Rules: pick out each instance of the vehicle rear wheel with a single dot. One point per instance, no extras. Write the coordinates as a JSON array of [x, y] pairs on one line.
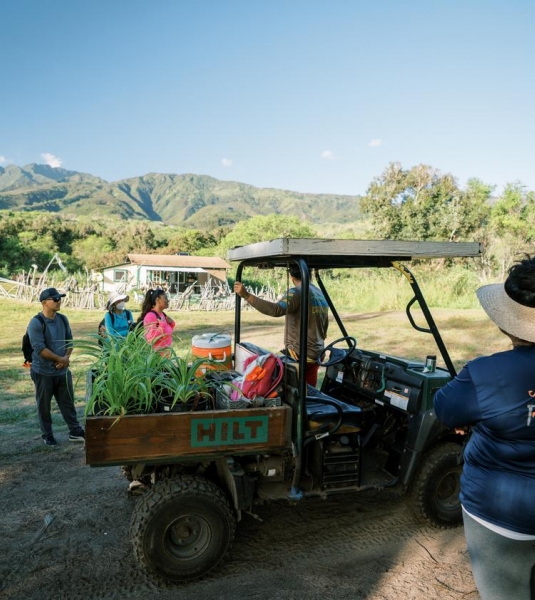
[[182, 528], [434, 491]]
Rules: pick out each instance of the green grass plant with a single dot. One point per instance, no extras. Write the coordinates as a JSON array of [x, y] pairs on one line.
[[15, 415], [130, 377], [189, 381], [387, 289]]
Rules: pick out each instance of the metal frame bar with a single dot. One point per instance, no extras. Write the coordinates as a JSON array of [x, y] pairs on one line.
[[432, 328]]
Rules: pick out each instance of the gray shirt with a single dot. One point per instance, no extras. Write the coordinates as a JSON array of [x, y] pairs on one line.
[[290, 305], [56, 338]]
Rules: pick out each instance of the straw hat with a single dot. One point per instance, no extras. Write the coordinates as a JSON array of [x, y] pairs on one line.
[[510, 316], [116, 297]]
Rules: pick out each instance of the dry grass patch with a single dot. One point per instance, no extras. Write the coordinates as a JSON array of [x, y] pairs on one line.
[[466, 333]]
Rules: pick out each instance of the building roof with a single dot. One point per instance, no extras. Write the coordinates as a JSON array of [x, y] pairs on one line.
[[176, 260]]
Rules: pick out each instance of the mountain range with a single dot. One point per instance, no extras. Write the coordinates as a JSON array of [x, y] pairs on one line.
[[187, 200]]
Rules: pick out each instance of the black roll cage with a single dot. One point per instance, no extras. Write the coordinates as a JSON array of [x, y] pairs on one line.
[[320, 254], [295, 493]]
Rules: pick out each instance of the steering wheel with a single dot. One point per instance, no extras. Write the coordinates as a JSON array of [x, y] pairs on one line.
[[337, 355]]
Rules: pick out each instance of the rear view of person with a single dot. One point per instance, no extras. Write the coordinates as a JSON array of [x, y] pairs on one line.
[[495, 396], [50, 336]]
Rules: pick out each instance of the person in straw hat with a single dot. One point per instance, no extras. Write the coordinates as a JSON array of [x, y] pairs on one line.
[[495, 396], [118, 320]]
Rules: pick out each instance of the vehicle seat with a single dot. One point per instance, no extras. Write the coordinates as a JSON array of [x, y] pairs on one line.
[[320, 413]]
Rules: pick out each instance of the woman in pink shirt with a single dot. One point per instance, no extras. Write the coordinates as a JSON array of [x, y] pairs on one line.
[[158, 326]]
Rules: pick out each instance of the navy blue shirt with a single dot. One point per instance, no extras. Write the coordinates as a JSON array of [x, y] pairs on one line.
[[496, 396]]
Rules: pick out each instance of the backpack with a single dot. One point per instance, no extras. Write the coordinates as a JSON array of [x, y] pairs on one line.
[[102, 325], [260, 378], [139, 323], [27, 349]]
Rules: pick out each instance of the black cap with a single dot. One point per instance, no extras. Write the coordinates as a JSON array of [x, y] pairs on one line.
[[50, 293]]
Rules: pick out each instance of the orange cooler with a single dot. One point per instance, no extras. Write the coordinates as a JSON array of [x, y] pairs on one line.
[[214, 347]]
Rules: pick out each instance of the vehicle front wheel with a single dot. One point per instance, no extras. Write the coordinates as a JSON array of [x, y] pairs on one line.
[[182, 528], [434, 491]]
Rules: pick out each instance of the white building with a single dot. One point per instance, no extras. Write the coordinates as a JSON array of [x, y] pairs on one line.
[[173, 273]]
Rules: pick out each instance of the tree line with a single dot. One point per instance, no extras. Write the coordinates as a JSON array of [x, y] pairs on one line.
[[33, 238], [419, 203]]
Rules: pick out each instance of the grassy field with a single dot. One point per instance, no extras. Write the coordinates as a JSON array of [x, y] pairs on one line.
[[467, 333]]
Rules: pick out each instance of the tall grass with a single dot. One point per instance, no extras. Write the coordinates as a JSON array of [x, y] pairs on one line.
[[388, 289], [385, 289]]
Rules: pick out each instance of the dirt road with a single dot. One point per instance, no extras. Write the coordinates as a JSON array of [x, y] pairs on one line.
[[64, 534]]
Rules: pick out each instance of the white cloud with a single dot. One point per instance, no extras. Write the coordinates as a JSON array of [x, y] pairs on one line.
[[226, 162], [375, 143], [51, 160], [3, 159], [328, 155]]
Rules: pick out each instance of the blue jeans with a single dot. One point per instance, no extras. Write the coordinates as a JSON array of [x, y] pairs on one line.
[[60, 388], [503, 568]]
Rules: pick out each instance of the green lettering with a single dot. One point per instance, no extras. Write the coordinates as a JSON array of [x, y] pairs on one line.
[[226, 431]]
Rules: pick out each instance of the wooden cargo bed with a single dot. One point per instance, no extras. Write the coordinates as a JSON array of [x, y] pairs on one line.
[[172, 437]]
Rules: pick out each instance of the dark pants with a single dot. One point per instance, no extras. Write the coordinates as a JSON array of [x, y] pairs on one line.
[[59, 387], [503, 568]]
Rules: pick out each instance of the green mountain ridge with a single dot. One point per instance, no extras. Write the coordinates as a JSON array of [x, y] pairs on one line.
[[189, 200]]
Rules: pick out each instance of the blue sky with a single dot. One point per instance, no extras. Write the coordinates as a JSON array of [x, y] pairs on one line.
[[311, 96]]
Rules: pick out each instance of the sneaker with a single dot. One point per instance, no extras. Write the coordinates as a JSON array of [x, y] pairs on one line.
[[137, 488], [50, 440], [78, 435]]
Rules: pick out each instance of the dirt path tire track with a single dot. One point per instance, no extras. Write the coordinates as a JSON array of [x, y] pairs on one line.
[[361, 546]]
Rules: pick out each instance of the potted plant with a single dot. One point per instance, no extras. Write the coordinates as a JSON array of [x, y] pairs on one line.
[[128, 377], [190, 385]]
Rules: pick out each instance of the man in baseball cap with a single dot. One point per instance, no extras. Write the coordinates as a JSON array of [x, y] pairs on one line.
[[51, 339], [50, 293]]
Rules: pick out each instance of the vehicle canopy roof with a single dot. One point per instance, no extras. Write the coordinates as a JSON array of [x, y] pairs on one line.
[[328, 254]]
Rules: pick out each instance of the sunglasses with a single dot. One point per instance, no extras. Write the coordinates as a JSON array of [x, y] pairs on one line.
[[56, 299]]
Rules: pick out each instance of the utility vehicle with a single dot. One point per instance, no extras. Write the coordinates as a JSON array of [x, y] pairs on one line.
[[370, 425]]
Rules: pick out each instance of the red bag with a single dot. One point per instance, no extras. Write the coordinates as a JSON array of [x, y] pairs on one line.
[[261, 377]]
